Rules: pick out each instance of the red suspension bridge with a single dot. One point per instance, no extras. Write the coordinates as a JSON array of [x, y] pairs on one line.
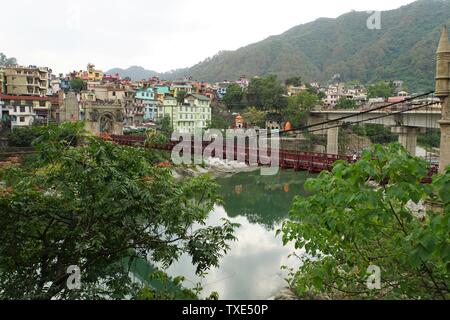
[[289, 159]]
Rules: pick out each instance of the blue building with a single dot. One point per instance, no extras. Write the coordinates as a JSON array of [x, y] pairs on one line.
[[146, 96]]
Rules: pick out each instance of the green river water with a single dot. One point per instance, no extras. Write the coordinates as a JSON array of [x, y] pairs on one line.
[[251, 269]]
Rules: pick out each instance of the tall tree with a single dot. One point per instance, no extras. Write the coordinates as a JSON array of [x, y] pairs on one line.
[[381, 90], [299, 106], [294, 81], [96, 205], [77, 84], [255, 117], [5, 61], [267, 93], [345, 103], [233, 98]]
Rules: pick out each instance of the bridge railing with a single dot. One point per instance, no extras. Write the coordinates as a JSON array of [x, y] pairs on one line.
[[298, 160]]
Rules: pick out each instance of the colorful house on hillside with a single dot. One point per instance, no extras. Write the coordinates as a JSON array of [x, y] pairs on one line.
[[147, 97], [161, 92], [193, 114], [91, 74], [177, 88], [169, 108]]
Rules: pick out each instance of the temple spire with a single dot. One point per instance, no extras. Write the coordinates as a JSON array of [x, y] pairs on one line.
[[444, 44]]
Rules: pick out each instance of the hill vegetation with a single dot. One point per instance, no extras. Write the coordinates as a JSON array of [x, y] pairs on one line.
[[404, 48]]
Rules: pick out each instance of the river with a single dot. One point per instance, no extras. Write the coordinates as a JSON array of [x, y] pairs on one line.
[[252, 268]]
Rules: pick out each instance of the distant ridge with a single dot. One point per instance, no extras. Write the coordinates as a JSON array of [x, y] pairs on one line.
[[134, 72]]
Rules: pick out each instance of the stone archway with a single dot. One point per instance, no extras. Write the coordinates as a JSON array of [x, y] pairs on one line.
[[104, 117], [107, 123]]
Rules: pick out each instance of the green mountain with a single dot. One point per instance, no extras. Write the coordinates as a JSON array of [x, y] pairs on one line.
[[403, 49], [134, 73]]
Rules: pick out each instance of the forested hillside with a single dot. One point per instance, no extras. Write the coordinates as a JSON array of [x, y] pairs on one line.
[[404, 48]]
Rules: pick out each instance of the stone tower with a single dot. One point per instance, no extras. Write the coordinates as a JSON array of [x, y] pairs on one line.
[[443, 92]]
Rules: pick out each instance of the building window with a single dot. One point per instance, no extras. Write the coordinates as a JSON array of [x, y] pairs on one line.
[[22, 110], [22, 119]]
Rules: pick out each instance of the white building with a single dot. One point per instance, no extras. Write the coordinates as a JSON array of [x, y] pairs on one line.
[[21, 116], [193, 114]]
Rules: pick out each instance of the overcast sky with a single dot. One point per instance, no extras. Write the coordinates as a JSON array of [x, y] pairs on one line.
[[158, 35]]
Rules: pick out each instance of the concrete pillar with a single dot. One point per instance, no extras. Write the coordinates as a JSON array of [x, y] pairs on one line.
[[407, 137], [333, 140]]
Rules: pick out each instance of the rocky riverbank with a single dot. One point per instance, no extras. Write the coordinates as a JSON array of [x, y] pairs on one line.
[[214, 167]]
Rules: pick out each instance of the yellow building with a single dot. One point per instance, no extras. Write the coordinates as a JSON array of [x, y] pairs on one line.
[[293, 90], [91, 74], [28, 81], [176, 89]]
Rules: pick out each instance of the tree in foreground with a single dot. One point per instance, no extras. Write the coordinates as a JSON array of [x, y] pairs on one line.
[[370, 214], [90, 203]]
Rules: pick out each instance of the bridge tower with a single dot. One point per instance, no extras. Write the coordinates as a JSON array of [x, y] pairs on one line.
[[443, 92]]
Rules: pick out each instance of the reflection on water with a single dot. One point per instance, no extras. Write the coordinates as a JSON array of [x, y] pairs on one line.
[[251, 269], [264, 200]]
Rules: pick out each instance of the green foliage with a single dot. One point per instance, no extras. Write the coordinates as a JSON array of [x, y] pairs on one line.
[[22, 136], [294, 81], [156, 139], [345, 103], [28, 136], [381, 90], [377, 133], [313, 90], [219, 121], [171, 289], [5, 61], [430, 139], [360, 215], [255, 117], [298, 107], [77, 84], [94, 205], [166, 126], [266, 93], [234, 96], [181, 95]]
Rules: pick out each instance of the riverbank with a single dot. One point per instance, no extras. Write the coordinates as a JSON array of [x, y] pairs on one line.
[[216, 168]]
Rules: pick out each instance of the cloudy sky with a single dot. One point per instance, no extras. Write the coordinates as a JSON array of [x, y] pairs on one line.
[[158, 35]]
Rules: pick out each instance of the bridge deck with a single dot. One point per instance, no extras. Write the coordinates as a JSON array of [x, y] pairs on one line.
[[298, 160]]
